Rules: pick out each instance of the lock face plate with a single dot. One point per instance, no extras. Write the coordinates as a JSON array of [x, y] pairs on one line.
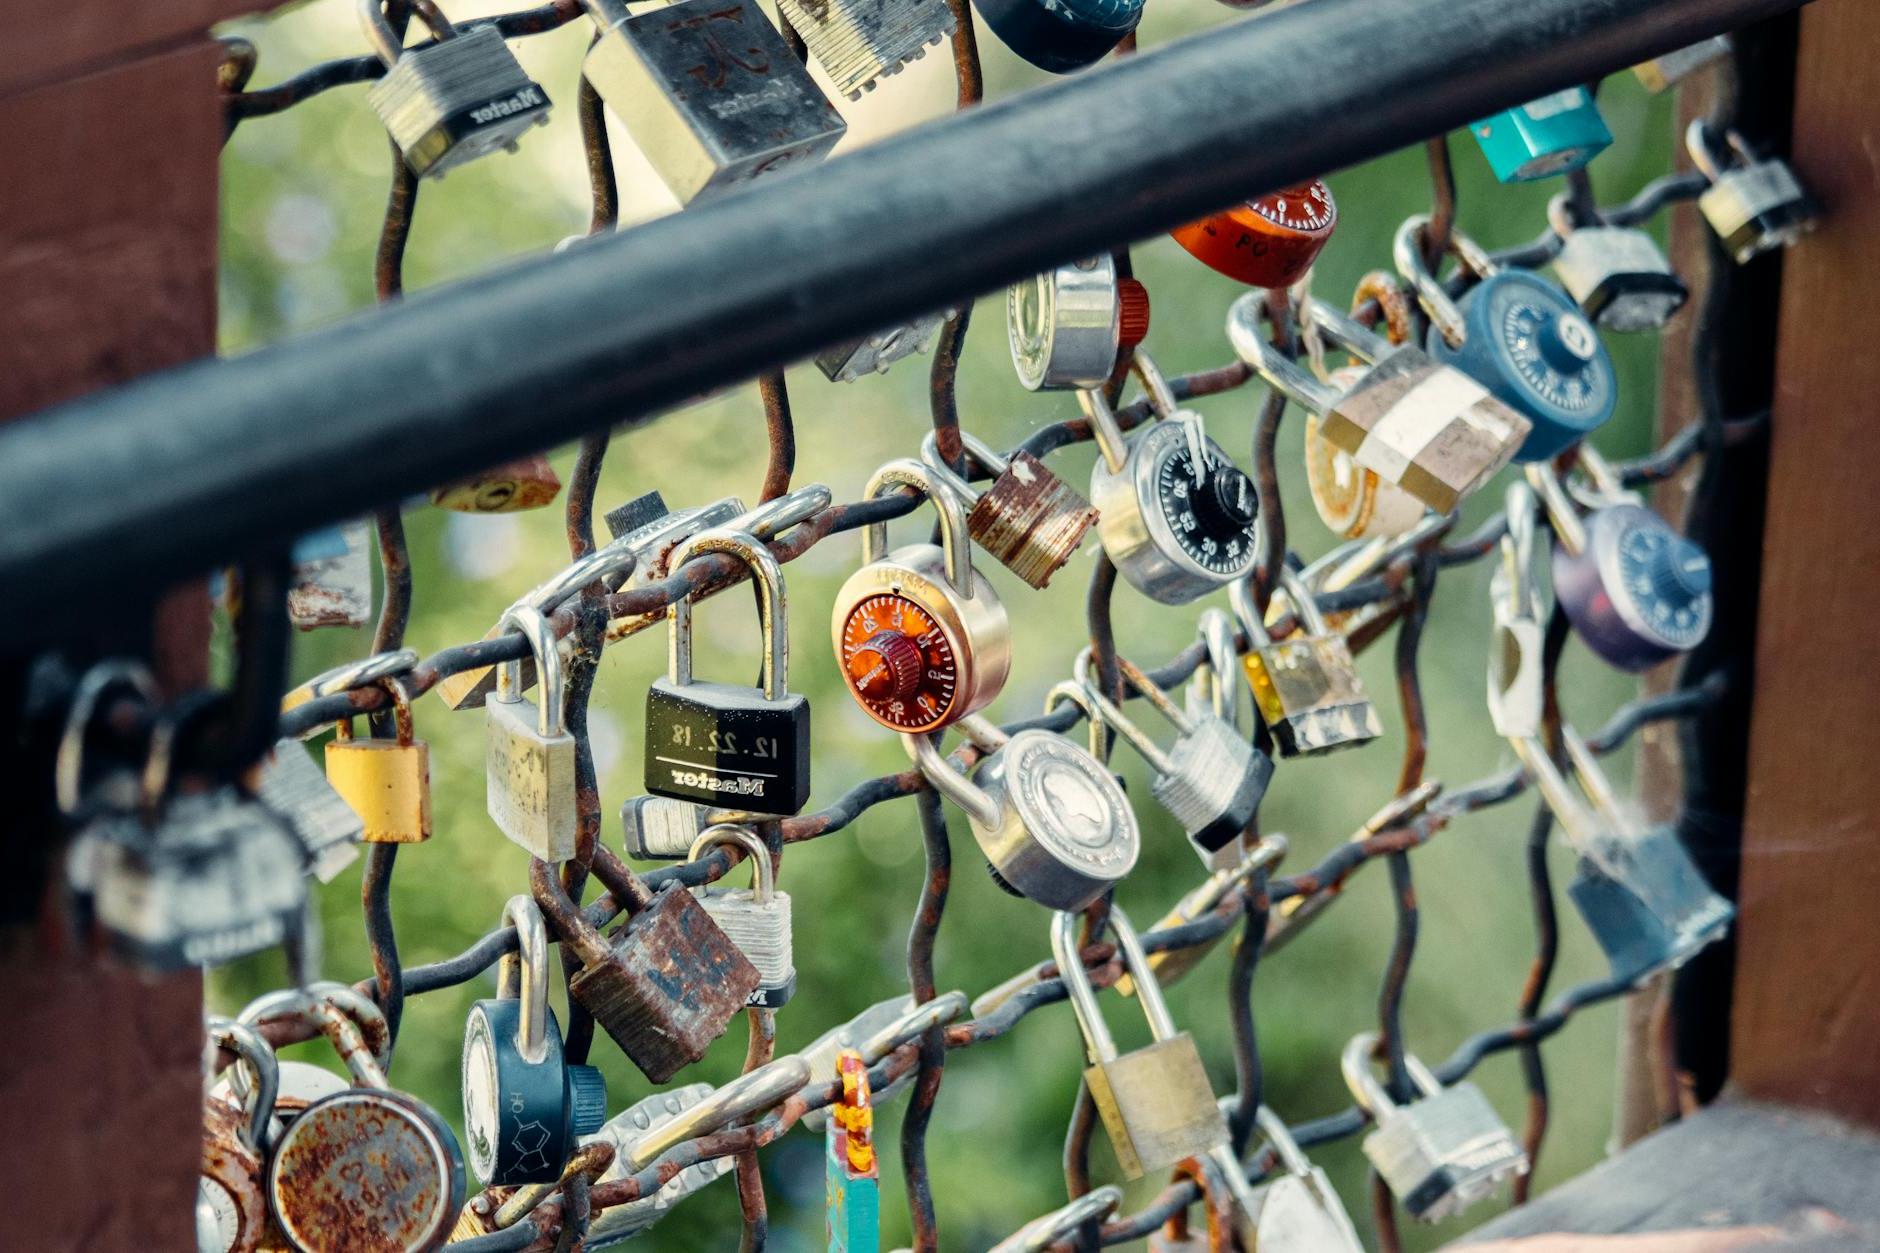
[[722, 745], [531, 784], [367, 1169], [1157, 1105]]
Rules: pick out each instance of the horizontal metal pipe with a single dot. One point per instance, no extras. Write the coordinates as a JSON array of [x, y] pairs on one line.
[[166, 477]]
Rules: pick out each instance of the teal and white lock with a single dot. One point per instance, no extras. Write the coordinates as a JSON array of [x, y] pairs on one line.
[[1520, 336], [1543, 137]]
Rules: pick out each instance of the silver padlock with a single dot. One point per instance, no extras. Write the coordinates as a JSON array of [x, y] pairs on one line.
[[1299, 1211], [529, 757], [1068, 327], [858, 42], [756, 919], [106, 810], [452, 101], [288, 782], [619, 1223], [660, 827], [1306, 688], [875, 352], [1662, 73], [1441, 1153], [1051, 819], [333, 586], [1029, 520], [1045, 1231], [1618, 273], [1754, 205], [711, 94], [874, 1033]]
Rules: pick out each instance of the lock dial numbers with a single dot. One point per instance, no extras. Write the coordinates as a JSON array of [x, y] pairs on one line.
[[899, 664], [1556, 353], [1211, 519]]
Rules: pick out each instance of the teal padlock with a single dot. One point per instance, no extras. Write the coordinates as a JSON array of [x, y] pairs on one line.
[[853, 1195], [1543, 137]]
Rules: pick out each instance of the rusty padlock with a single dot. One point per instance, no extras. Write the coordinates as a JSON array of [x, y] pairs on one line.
[[525, 483], [232, 1199]]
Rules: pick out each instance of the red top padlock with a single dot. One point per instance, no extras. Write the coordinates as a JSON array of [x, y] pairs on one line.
[[1270, 241]]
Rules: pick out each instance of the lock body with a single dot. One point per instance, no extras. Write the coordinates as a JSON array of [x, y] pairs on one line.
[[1652, 911], [387, 784], [1062, 36], [619, 1223], [1066, 833], [1543, 137], [367, 1168], [723, 745], [1620, 278], [851, 1172], [1307, 692], [1030, 520], [874, 353], [332, 585], [1443, 1153], [326, 824], [1178, 523], [755, 919], [456, 100], [1156, 1105], [1270, 241], [231, 1183], [1067, 327], [530, 792], [858, 42], [1303, 1212], [1216, 783], [660, 827], [512, 487], [1757, 208], [1638, 592], [1662, 73]]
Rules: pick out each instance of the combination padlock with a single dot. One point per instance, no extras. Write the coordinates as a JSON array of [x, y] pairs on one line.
[[1030, 521], [1519, 336], [1754, 205], [329, 830], [512, 487], [659, 827], [1544, 137], [1269, 241], [875, 352], [529, 755], [1662, 73], [524, 1107], [858, 42], [919, 633], [1171, 965], [874, 1033], [718, 743], [1307, 687], [1299, 1210], [235, 1143], [452, 101], [1175, 514], [1424, 426], [1618, 273], [756, 919], [1155, 1102], [711, 94], [331, 585], [1068, 327], [1050, 818], [1211, 779], [619, 1223], [1442, 1152], [386, 782], [1047, 1230], [851, 1173], [1060, 37]]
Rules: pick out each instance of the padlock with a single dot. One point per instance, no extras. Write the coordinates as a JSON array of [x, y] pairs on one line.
[[711, 94], [1059, 37], [1030, 521], [875, 352], [1047, 1230], [524, 1107], [1171, 965], [1516, 684], [1661, 73], [1354, 502], [1521, 337], [1269, 241], [1068, 327], [331, 586], [367, 1168], [512, 487], [717, 742], [756, 919], [1211, 779], [1543, 137], [1175, 514], [1442, 1152], [1307, 687], [105, 810], [529, 756], [751, 1094], [1618, 273], [235, 1143], [874, 1033], [1050, 818], [329, 830], [1636, 591], [452, 101], [851, 1173], [1426, 427], [1155, 1102], [1299, 1210], [387, 782], [618, 1223], [660, 827], [1754, 205], [919, 633], [858, 42]]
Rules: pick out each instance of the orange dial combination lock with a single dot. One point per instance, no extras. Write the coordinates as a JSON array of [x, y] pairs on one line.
[[1270, 241]]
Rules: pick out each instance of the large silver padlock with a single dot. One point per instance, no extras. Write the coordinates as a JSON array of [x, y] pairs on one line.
[[619, 1223], [860, 41], [1619, 274], [1754, 205], [530, 757], [1029, 520], [1068, 327], [1306, 688], [1442, 1152], [288, 782], [875, 352], [332, 586], [874, 1033], [756, 919], [711, 94], [1299, 1211], [452, 101]]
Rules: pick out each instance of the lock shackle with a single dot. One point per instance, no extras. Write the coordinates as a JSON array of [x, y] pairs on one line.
[[1125, 726], [384, 39], [1210, 685], [523, 975], [947, 781], [754, 1092], [1604, 486], [362, 673], [1111, 442], [1077, 694], [1514, 578], [1097, 1038], [264, 1089], [1046, 1230], [1361, 1078], [773, 608], [400, 693], [534, 628], [1345, 331], [1255, 350], [1407, 254], [767, 519], [763, 874], [954, 543], [1384, 287], [1563, 515], [1274, 1130], [910, 1026], [1701, 144], [1562, 217], [68, 771], [351, 1022], [617, 557], [944, 474], [1299, 597]]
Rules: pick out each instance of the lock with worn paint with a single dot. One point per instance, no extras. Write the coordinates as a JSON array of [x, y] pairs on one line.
[[1352, 501], [1155, 1101], [852, 1176], [529, 755], [1755, 205], [387, 782], [659, 827], [331, 582], [1619, 274], [875, 352], [619, 1223], [1171, 965], [1069, 327], [1662, 73], [1062, 35], [711, 94], [524, 1106], [1543, 137], [449, 102], [1299, 1212], [1270, 241], [757, 918], [1029, 520], [1307, 687], [724, 743], [1175, 513], [525, 483], [235, 1143], [1440, 1153], [1521, 337], [858, 42], [874, 1033], [920, 634], [328, 828], [1047, 1230]]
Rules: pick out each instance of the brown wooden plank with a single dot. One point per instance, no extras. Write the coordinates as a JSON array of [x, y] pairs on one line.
[[49, 42]]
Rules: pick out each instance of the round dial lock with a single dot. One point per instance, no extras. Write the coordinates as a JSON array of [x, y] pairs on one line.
[[367, 1169], [1639, 592], [1060, 36], [1211, 514], [1067, 326], [1069, 832], [899, 663], [1270, 241]]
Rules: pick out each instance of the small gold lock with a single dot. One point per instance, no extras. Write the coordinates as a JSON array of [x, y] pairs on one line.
[[387, 782]]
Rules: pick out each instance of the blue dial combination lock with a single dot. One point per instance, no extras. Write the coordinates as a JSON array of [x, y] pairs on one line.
[[1521, 337], [1060, 35], [1543, 137], [523, 1106]]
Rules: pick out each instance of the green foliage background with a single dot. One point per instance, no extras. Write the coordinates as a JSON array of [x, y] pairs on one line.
[[303, 197]]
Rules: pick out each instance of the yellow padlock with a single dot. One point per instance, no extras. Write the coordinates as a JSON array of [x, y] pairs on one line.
[[387, 782]]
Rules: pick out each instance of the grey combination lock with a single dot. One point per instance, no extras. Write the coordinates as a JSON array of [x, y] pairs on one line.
[[1618, 274], [1754, 205], [452, 101], [859, 41], [756, 919], [875, 352]]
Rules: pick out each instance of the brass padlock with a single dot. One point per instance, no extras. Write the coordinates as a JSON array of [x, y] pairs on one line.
[[1030, 520], [387, 782], [525, 483], [231, 1193], [529, 760], [1306, 688]]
